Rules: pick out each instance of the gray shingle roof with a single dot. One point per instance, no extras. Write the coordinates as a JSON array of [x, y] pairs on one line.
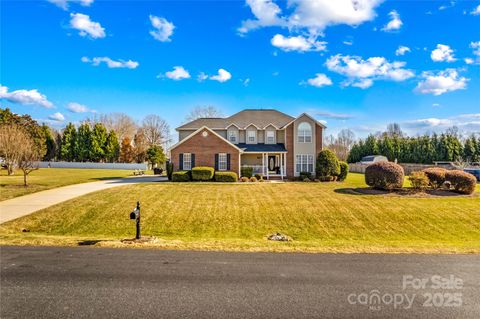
[[271, 148], [242, 119]]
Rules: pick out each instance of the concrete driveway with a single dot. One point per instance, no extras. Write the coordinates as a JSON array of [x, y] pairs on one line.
[[20, 206]]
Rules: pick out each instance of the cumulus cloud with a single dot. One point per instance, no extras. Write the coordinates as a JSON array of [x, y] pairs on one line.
[[57, 117], [476, 48], [476, 11], [178, 73], [85, 26], [402, 50], [441, 82], [361, 73], [202, 76], [319, 80], [298, 43], [77, 108], [467, 123], [443, 53], [25, 97], [395, 22], [163, 29], [313, 15], [112, 64], [64, 4], [222, 76], [469, 60]]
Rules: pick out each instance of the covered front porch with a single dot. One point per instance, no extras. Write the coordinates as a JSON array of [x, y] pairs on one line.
[[270, 165]]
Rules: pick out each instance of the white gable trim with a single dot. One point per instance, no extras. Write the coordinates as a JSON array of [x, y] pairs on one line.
[[271, 124], [305, 114], [210, 130], [251, 124], [233, 125]]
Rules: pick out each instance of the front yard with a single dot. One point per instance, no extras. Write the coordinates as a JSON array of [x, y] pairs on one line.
[[319, 217]]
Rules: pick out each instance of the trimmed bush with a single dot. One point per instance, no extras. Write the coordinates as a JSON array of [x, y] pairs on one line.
[[327, 164], [419, 180], [226, 177], [436, 176], [304, 175], [258, 176], [343, 171], [202, 173], [246, 172], [181, 176], [169, 171], [384, 175], [244, 179], [253, 179], [462, 182]]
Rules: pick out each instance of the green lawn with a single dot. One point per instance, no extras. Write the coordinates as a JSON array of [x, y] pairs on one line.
[[320, 217], [47, 178]]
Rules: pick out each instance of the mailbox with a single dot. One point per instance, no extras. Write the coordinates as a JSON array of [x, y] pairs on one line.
[[135, 214]]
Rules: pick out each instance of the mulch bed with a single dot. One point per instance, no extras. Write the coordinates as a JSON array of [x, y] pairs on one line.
[[406, 192]]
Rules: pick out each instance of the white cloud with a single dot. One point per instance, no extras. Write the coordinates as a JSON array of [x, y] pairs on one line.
[[178, 73], [202, 76], [245, 82], [222, 76], [334, 116], [443, 53], [298, 43], [402, 50], [312, 15], [163, 29], [361, 73], [25, 97], [112, 64], [64, 4], [468, 60], [395, 22], [476, 47], [77, 108], [85, 26], [476, 11], [57, 117], [319, 80], [348, 42], [442, 82], [466, 123]]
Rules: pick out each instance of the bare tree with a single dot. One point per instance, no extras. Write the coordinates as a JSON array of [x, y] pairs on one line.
[[393, 129], [342, 144], [122, 124], [155, 129], [203, 112], [29, 160], [11, 139]]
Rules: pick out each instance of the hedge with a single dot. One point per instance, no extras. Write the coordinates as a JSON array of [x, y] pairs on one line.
[[436, 176], [419, 180], [181, 176], [246, 172], [169, 171], [343, 171], [226, 177], [461, 181], [327, 164], [384, 175], [202, 173]]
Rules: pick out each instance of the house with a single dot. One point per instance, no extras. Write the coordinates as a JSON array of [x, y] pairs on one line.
[[273, 143]]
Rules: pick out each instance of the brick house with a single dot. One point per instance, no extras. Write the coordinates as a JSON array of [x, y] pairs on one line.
[[273, 143]]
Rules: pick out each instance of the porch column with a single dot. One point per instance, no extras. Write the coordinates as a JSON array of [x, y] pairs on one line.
[[267, 166], [285, 164], [263, 164], [281, 165], [239, 165]]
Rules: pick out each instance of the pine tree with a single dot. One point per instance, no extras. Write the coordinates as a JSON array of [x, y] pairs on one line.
[[112, 148], [83, 143], [98, 142], [67, 149]]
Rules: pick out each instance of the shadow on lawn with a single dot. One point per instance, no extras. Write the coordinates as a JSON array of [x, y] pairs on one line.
[[399, 193]]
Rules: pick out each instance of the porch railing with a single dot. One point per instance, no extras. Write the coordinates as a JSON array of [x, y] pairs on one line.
[[257, 169]]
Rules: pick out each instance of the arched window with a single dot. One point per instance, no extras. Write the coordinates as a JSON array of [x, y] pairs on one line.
[[304, 132]]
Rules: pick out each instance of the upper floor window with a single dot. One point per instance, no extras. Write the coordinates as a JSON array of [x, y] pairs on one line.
[[222, 162], [251, 136], [187, 161], [270, 137], [232, 136], [304, 133]]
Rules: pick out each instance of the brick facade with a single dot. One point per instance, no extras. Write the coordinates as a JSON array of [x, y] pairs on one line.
[[318, 139], [289, 146], [205, 148]]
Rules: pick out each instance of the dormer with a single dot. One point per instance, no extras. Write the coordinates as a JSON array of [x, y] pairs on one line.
[[270, 134], [233, 135], [252, 134]]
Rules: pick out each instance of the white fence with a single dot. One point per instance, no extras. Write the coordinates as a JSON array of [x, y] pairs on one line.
[[407, 167], [131, 166]]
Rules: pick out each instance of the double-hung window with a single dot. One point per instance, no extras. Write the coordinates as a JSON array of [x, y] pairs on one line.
[[222, 162], [251, 136], [304, 163], [270, 137], [232, 136], [187, 161], [304, 133]]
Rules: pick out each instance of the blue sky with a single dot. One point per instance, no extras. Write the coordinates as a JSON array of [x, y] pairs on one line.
[[338, 60]]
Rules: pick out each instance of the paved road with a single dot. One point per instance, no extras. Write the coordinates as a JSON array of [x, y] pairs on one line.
[[24, 205], [92, 282]]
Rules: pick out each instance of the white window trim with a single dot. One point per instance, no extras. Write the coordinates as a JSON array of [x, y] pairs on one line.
[[187, 164], [233, 134], [254, 137], [306, 160], [274, 137], [302, 134], [222, 161]]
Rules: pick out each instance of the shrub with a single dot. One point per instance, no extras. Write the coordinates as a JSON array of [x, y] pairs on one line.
[[253, 179], [436, 176], [226, 177], [327, 164], [246, 171], [169, 171], [202, 173], [306, 179], [419, 180], [181, 176], [304, 175], [384, 175], [462, 182], [343, 171], [326, 178], [258, 176], [244, 179]]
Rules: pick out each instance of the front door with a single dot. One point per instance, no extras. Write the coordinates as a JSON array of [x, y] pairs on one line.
[[271, 163]]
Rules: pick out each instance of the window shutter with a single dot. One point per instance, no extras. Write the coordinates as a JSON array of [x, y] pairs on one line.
[[180, 165], [228, 162], [192, 160], [216, 162]]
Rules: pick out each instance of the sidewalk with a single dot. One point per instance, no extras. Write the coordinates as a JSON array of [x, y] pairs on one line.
[[24, 205]]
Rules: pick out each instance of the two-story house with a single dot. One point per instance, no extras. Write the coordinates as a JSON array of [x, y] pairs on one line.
[[271, 142]]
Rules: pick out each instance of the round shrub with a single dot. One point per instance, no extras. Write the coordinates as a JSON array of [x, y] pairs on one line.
[[258, 176], [253, 179], [462, 182], [419, 180], [226, 177], [436, 176], [304, 175], [181, 176], [343, 171], [246, 171], [327, 164], [384, 175], [244, 179], [202, 173]]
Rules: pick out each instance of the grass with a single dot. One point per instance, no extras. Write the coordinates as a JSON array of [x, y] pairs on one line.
[[320, 217], [47, 178]]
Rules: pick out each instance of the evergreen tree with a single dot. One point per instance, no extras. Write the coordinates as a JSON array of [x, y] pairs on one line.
[[50, 143], [83, 143], [155, 155], [112, 148], [98, 142], [67, 148]]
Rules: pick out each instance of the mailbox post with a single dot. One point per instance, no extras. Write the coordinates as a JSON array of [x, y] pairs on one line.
[[135, 214]]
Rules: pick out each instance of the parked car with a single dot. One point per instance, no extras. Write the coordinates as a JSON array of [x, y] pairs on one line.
[[474, 171], [370, 159]]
